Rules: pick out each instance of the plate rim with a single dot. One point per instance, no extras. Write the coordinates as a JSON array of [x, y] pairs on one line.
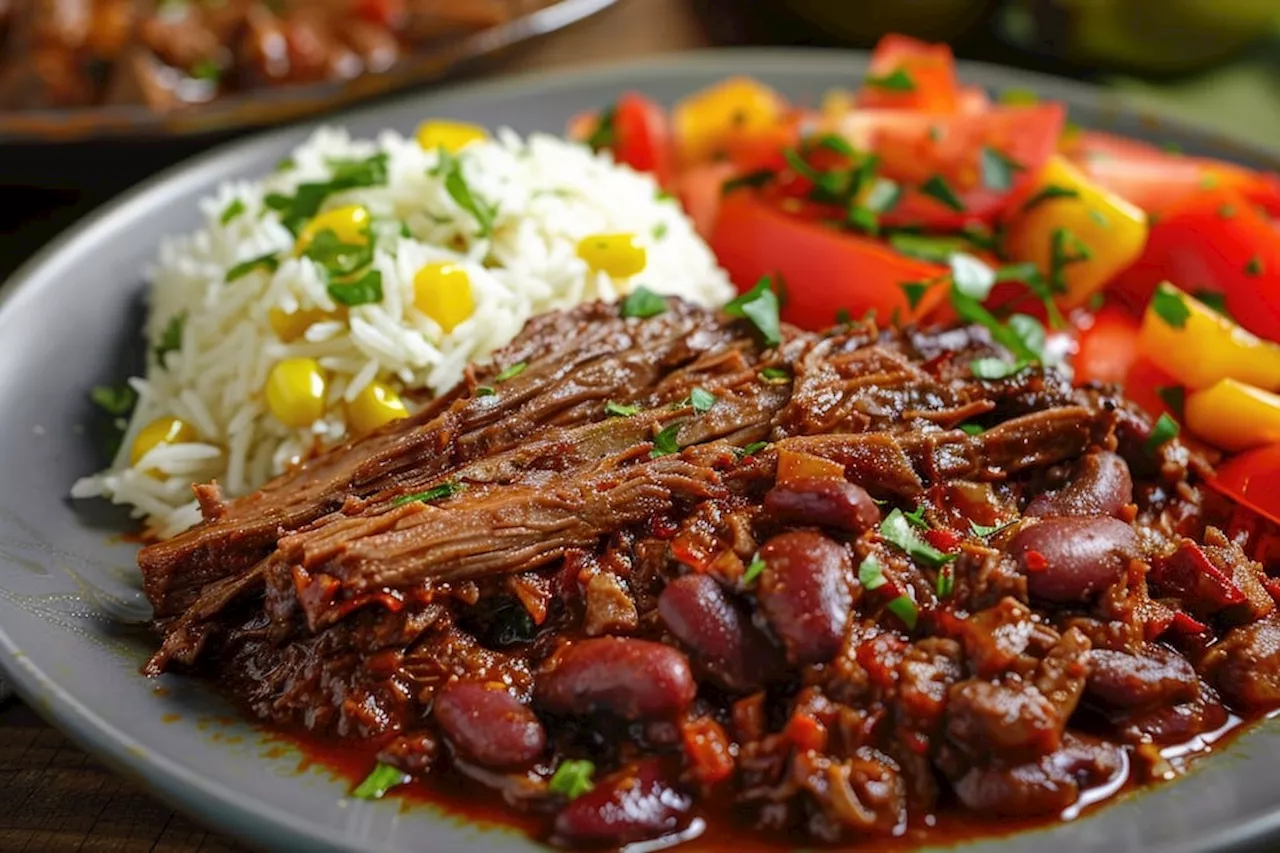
[[242, 816]]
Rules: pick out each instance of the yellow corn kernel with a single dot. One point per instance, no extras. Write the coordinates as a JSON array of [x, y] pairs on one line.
[[706, 121], [1202, 346], [295, 391], [619, 255], [1233, 415], [376, 405], [452, 136], [160, 431], [442, 291], [349, 223], [290, 327]]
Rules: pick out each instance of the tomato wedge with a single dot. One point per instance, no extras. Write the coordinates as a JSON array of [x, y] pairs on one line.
[[826, 273], [640, 137], [1250, 479], [914, 147], [1158, 180], [1213, 241], [1106, 347], [912, 75]]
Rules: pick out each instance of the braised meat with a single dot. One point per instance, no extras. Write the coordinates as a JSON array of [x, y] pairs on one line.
[[832, 587]]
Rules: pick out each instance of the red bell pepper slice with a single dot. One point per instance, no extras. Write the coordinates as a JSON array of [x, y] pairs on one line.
[[1252, 479]]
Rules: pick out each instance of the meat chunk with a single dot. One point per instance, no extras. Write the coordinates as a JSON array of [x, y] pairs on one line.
[[1245, 665]]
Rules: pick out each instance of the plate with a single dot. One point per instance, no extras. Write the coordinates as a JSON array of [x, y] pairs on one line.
[[68, 587], [280, 104]]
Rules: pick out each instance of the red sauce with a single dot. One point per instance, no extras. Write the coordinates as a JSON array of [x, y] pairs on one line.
[[477, 805]]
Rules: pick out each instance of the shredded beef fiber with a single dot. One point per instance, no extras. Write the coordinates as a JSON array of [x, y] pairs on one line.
[[829, 589]]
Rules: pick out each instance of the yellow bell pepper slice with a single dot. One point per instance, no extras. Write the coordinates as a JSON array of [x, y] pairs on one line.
[[705, 121], [1078, 233], [1233, 415], [1198, 346]]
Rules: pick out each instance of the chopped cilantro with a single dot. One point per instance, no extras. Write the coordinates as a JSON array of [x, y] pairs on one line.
[[171, 337], [883, 196], [983, 531], [752, 448], [936, 187], [1065, 249], [512, 371], [914, 291], [776, 375], [916, 517], [1173, 396], [1164, 431], [604, 134], [117, 400], [1024, 272], [485, 391], [572, 779], [837, 144], [267, 263], [1254, 268], [620, 410], [1214, 300], [365, 290], [760, 306], [336, 257], [659, 230], [972, 429], [995, 368], [383, 778], [923, 247], [298, 209], [1169, 306], [435, 493], [455, 183], [971, 276], [870, 574], [1048, 193], [753, 571], [758, 178], [905, 609], [896, 528], [946, 582], [642, 302], [998, 169], [897, 80], [701, 400], [665, 442], [231, 211]]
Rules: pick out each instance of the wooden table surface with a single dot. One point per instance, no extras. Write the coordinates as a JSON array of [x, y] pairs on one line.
[[56, 799]]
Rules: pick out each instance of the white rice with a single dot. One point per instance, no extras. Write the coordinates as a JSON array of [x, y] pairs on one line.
[[549, 195]]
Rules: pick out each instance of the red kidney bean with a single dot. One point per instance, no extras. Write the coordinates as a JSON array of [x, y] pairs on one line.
[[1157, 677], [488, 725], [634, 804], [1100, 485], [1070, 559], [830, 503], [735, 653], [804, 593], [635, 679]]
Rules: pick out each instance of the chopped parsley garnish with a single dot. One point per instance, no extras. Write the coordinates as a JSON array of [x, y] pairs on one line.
[[1019, 97], [1165, 430], [916, 517], [1254, 268], [905, 609], [336, 257], [383, 778], [512, 372], [938, 189], [171, 337], [642, 302], [972, 429], [231, 211], [760, 306], [365, 290], [665, 442], [936, 250], [998, 169], [435, 493], [883, 196], [897, 80], [983, 531], [752, 448], [758, 178], [1226, 210], [1213, 300], [946, 582], [116, 400], [1173, 396], [455, 183], [485, 391], [896, 528], [753, 571], [286, 165], [605, 133], [298, 209], [572, 779], [837, 144], [914, 291], [1021, 334], [776, 375], [620, 410], [1065, 249], [870, 574], [267, 263], [1049, 193], [702, 400], [995, 368], [659, 230], [1168, 305], [1025, 272]]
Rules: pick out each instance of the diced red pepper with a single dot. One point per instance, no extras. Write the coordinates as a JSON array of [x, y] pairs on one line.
[[1189, 574], [707, 746], [1185, 624], [1035, 561], [806, 732], [943, 538]]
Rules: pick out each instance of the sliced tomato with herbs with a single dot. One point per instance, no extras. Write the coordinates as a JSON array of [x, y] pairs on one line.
[[637, 131], [908, 74], [1213, 243], [1106, 346], [1250, 479], [826, 274], [699, 189], [958, 168], [1157, 180]]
